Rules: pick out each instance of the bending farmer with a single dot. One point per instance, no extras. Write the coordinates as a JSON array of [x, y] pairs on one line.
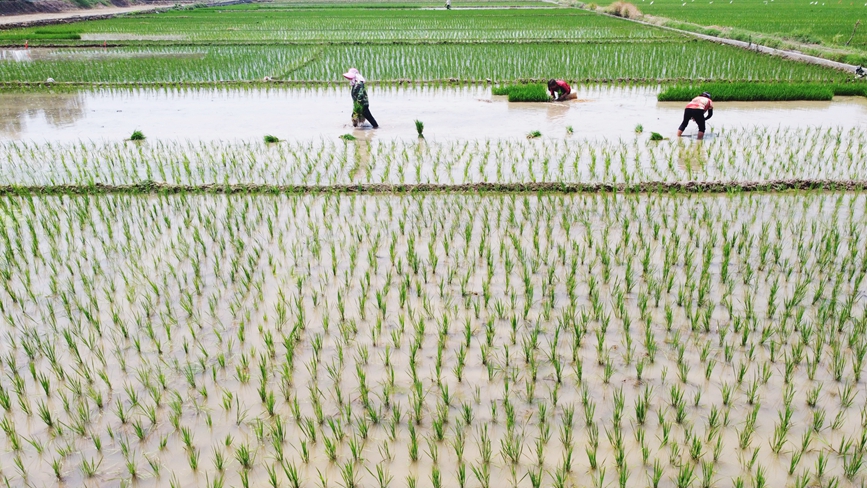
[[359, 94], [695, 111], [560, 90]]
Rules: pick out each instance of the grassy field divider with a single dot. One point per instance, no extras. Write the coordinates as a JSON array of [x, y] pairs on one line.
[[748, 92], [710, 187], [762, 92]]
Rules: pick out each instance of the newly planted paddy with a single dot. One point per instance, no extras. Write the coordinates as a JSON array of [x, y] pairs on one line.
[[744, 158], [248, 292], [434, 341]]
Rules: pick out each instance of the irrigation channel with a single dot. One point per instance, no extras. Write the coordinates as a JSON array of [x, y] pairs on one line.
[[448, 113]]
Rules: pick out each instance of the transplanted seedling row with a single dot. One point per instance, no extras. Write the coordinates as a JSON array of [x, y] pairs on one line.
[[287, 23], [666, 60], [434, 341], [745, 155]]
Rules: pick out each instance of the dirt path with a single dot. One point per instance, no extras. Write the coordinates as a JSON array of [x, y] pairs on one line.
[[60, 17]]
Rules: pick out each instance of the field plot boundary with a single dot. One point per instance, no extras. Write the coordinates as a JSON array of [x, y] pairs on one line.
[[751, 46], [710, 187], [82, 15]]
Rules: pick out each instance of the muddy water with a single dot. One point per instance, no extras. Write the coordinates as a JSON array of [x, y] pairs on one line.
[[447, 113]]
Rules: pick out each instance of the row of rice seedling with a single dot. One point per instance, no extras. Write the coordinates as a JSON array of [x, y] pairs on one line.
[[654, 61], [161, 64], [349, 25], [500, 62], [430, 341], [753, 92], [743, 155], [532, 92]]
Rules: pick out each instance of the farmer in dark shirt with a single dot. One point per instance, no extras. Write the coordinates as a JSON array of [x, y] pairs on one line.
[[359, 94]]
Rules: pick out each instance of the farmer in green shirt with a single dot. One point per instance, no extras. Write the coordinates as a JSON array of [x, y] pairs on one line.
[[359, 94]]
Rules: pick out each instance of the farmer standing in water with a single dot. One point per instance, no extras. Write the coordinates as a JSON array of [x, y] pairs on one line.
[[695, 111], [560, 90], [359, 94]]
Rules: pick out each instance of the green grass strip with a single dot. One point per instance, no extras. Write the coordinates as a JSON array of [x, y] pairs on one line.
[[693, 187], [532, 92], [850, 89], [748, 92], [762, 92]]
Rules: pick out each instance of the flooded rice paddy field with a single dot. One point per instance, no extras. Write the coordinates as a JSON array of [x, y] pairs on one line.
[[611, 112], [732, 156], [428, 341]]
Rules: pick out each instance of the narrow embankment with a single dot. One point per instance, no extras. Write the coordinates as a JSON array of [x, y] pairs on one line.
[[710, 187]]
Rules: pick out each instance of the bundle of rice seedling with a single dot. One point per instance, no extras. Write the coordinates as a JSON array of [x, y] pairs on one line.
[[532, 92], [749, 92]]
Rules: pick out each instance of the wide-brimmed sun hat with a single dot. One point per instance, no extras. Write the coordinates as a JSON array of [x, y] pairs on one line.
[[351, 74]]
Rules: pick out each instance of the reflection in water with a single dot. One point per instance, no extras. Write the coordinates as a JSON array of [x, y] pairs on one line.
[[17, 55], [362, 152], [97, 54], [692, 159], [58, 110], [557, 111]]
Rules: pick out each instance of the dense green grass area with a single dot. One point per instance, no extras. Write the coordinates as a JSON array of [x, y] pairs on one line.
[[767, 92], [749, 92], [356, 25], [251, 42], [827, 21], [684, 61]]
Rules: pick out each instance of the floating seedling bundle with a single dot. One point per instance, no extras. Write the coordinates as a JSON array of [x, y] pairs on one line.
[[530, 92]]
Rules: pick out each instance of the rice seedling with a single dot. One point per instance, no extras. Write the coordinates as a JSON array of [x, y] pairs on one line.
[[137, 136], [334, 331], [269, 139]]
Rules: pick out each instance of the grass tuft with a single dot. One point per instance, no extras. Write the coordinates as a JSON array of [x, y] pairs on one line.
[[269, 139], [623, 9], [137, 135]]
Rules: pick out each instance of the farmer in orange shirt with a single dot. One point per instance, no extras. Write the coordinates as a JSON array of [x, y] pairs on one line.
[[695, 111]]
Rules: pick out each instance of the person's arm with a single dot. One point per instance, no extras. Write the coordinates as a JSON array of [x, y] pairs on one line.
[[354, 92], [709, 114]]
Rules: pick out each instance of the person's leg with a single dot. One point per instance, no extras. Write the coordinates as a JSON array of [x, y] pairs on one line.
[[686, 117], [699, 119], [369, 116]]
